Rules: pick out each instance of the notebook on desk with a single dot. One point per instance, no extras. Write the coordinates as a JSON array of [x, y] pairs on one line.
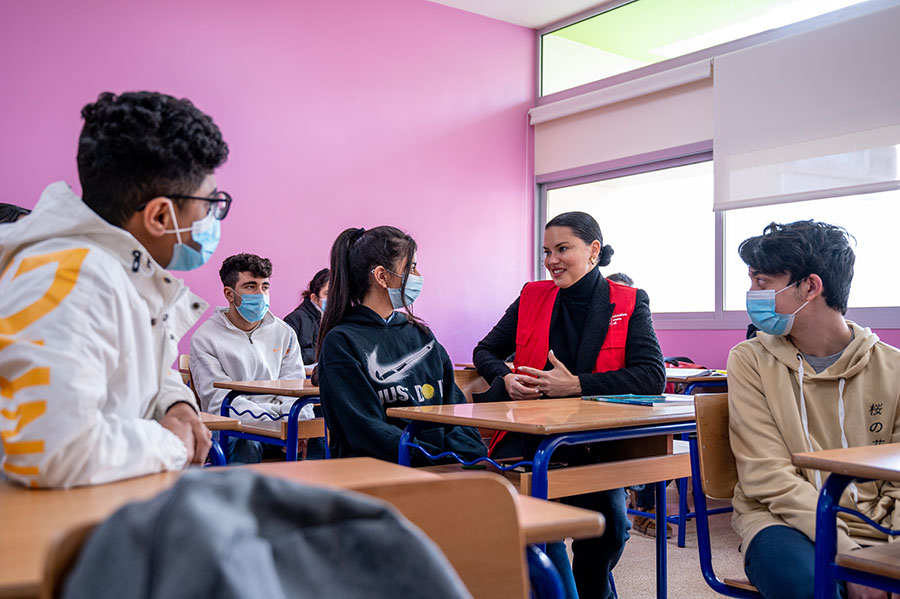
[[686, 373], [643, 400]]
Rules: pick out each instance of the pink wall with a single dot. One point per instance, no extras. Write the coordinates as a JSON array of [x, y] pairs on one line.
[[356, 113], [710, 348]]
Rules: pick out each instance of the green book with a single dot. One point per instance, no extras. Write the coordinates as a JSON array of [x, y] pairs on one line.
[[639, 400]]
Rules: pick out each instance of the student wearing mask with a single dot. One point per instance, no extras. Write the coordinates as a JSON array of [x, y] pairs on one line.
[[374, 354], [306, 318], [245, 342], [810, 380], [574, 335], [90, 314]]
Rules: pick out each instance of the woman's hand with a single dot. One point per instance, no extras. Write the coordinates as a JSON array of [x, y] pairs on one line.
[[558, 382], [517, 389]]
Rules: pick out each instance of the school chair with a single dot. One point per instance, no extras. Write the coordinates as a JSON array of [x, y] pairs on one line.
[[875, 566], [469, 382], [473, 519], [714, 475], [284, 431], [184, 368]]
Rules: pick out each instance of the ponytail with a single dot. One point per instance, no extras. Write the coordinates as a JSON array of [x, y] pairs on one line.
[[353, 256]]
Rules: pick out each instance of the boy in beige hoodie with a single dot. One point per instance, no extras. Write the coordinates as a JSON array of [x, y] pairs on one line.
[[810, 380]]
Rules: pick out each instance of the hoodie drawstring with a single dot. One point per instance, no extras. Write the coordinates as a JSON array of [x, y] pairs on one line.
[[805, 420]]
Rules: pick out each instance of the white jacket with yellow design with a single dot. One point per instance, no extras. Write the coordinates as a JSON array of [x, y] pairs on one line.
[[778, 405], [89, 329]]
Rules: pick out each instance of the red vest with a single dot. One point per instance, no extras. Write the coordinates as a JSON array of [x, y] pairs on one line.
[[533, 327], [533, 330]]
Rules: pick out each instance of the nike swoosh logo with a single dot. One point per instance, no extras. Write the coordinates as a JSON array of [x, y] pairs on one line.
[[386, 373]]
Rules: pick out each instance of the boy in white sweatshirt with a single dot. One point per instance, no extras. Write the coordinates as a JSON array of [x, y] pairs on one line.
[[810, 380], [90, 314], [245, 342]]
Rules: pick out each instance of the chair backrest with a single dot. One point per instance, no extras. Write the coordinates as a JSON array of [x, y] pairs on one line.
[[717, 465], [473, 519], [469, 382], [184, 368]]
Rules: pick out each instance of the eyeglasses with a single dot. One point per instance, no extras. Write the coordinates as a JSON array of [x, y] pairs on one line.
[[219, 201]]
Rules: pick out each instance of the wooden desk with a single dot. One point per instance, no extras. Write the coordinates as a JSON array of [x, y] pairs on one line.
[[283, 387], [278, 432], [878, 565], [30, 520], [692, 383], [214, 422], [575, 421]]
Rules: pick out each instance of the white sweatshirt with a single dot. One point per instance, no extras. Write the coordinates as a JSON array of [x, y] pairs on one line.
[[222, 352], [89, 329]]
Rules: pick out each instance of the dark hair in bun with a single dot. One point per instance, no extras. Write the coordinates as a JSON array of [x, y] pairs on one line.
[[585, 228]]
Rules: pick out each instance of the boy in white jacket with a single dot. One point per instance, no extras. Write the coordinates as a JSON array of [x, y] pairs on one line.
[[89, 316], [811, 380], [245, 342]]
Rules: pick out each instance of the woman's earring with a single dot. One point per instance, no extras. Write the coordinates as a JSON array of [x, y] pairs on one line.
[[593, 260]]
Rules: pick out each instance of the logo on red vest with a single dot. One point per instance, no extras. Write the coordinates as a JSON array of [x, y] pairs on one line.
[[618, 318]]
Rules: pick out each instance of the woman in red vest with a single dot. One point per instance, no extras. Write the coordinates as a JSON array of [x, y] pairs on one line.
[[577, 334]]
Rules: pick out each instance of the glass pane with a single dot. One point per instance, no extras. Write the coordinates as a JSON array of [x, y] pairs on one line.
[[871, 218], [662, 229], [645, 32]]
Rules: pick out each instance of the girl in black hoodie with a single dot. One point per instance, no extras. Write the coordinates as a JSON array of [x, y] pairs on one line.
[[372, 357]]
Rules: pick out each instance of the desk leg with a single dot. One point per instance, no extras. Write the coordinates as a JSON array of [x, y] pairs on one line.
[[404, 456], [661, 566], [826, 534]]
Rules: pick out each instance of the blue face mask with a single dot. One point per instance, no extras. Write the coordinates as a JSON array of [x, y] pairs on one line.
[[413, 289], [761, 308], [324, 302], [207, 232], [253, 306]]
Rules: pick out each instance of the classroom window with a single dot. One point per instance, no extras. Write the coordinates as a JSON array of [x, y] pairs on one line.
[[872, 219], [644, 32], [662, 229]]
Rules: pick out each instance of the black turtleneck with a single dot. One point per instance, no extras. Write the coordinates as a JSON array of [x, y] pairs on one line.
[[570, 311]]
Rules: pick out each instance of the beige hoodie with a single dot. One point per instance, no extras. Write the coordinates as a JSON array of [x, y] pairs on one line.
[[854, 402]]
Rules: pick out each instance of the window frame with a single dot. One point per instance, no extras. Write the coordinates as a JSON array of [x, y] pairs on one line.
[[671, 63], [719, 319]]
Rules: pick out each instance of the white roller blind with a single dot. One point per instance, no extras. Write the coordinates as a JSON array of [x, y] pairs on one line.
[[810, 116]]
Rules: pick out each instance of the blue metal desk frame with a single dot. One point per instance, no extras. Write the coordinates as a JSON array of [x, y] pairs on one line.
[[550, 443], [827, 571], [292, 428]]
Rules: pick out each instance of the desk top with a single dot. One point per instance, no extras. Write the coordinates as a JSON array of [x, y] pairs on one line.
[[878, 462], [284, 387], [32, 519], [547, 416], [214, 422]]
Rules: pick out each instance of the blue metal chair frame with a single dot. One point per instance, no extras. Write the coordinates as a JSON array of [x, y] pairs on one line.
[[290, 444], [216, 455], [702, 517], [683, 514], [541, 464], [827, 571], [544, 578]]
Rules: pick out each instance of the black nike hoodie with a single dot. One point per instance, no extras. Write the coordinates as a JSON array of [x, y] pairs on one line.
[[367, 366]]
